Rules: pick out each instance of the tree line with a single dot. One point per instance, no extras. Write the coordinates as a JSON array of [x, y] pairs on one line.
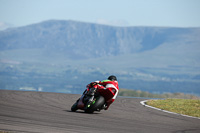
[[139, 93]]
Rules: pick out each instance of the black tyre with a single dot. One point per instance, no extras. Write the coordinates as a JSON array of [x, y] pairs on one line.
[[74, 107], [97, 104]]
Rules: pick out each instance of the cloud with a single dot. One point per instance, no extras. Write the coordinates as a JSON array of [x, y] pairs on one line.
[[4, 25], [112, 22]]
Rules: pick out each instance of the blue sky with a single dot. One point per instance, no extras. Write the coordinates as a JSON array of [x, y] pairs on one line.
[[173, 13]]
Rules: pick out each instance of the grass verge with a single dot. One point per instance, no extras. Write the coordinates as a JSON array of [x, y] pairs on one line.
[[189, 107]]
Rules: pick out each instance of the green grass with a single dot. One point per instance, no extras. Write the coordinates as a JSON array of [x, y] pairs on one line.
[[189, 107]]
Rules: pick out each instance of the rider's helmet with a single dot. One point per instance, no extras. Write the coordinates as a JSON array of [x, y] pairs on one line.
[[112, 78]]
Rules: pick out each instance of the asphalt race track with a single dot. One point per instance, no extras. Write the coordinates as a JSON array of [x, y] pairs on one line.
[[36, 112]]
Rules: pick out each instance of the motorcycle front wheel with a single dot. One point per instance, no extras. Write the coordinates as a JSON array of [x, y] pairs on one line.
[[95, 105]]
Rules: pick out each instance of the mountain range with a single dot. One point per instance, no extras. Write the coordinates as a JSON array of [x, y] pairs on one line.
[[155, 59]]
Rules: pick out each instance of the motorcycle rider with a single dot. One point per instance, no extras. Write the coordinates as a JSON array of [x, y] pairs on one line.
[[107, 88]]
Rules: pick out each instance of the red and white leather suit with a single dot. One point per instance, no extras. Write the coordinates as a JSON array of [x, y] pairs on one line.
[[109, 90]]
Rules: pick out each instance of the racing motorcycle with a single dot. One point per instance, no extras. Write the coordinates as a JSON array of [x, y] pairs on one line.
[[90, 101]]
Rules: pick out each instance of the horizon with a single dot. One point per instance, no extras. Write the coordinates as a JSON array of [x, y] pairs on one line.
[[11, 26], [107, 24], [128, 13]]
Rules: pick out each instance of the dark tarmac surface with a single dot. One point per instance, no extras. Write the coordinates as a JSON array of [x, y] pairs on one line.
[[40, 112]]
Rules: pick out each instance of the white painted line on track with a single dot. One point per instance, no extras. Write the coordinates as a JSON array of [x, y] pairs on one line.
[[144, 104]]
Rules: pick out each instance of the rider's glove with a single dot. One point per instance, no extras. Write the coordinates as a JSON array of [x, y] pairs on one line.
[[93, 84]]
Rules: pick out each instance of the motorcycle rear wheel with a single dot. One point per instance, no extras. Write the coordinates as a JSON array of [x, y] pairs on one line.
[[74, 107]]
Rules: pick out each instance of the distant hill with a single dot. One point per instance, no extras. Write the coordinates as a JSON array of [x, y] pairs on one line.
[[88, 40], [155, 59]]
